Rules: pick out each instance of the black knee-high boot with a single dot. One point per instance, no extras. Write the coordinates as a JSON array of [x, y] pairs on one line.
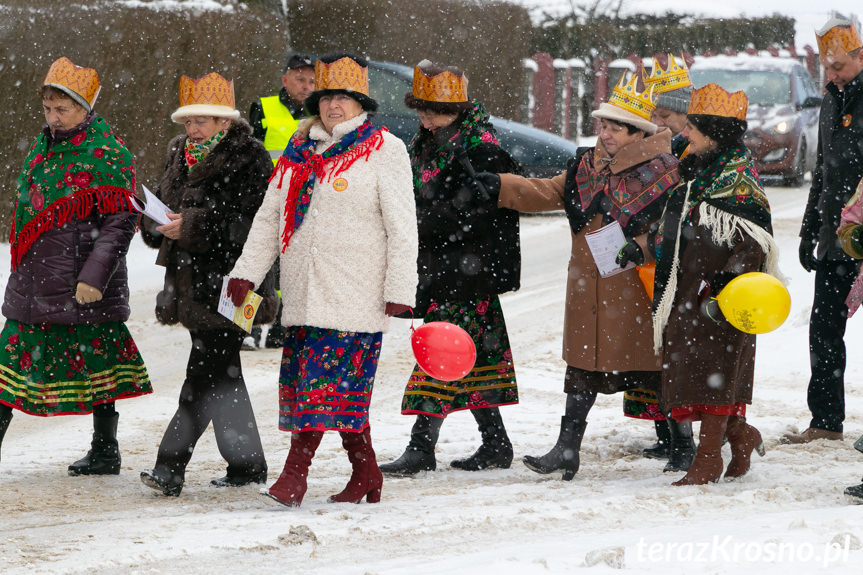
[[419, 454], [5, 418], [103, 458], [565, 453], [496, 449]]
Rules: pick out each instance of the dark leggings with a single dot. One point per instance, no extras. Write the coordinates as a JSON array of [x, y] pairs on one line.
[[215, 391], [578, 404]]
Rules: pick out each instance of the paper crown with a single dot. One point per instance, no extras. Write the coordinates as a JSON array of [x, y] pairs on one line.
[[443, 87], [211, 95], [673, 77], [837, 38], [343, 74], [82, 84], [712, 100], [626, 97]]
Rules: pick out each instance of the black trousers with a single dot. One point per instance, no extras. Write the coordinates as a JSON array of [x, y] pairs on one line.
[[215, 391], [826, 394]]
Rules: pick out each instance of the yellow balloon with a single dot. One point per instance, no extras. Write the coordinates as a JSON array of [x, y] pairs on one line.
[[755, 302]]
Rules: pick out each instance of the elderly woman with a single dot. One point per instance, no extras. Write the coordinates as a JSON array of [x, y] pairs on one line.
[[65, 347], [715, 228], [607, 343], [214, 181], [468, 254], [340, 216]]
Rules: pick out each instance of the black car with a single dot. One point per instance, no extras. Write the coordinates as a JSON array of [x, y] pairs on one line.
[[541, 154]]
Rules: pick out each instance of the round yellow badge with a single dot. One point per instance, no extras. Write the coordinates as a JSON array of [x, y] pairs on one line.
[[846, 120], [248, 312], [340, 184]]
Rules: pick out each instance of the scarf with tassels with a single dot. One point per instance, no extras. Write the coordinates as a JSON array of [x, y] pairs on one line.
[[730, 202], [306, 166], [91, 169]]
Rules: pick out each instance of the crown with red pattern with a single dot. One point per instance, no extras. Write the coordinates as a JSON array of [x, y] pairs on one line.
[[713, 100], [211, 95], [81, 84], [443, 87], [838, 37]]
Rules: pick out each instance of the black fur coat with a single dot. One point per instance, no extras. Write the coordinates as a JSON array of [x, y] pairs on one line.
[[218, 201]]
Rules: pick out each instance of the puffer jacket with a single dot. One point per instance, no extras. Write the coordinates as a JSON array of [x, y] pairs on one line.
[[218, 200], [91, 250]]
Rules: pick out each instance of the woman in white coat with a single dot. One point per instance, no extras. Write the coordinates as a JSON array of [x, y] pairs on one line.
[[340, 215]]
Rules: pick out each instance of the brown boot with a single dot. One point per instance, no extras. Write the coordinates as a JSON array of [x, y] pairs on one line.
[[744, 439], [290, 487], [810, 434], [707, 465], [366, 479]]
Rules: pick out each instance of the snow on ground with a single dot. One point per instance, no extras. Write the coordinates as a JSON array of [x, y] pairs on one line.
[[619, 512]]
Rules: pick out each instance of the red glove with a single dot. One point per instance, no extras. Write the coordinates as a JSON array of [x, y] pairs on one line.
[[237, 290], [396, 308]]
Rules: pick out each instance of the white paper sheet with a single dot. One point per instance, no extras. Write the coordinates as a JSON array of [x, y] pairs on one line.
[[152, 207], [604, 244]]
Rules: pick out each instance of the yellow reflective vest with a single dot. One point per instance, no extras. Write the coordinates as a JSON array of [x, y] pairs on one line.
[[279, 126]]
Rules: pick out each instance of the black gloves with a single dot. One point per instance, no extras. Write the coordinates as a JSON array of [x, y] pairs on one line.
[[630, 252], [710, 310], [490, 181], [807, 253]]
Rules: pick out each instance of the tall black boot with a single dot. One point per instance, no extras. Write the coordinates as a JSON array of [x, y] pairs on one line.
[[662, 448], [5, 418], [682, 446], [565, 453], [496, 449], [419, 454], [104, 455]]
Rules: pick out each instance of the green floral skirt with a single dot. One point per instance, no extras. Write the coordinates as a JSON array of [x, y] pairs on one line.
[[48, 369], [490, 383]]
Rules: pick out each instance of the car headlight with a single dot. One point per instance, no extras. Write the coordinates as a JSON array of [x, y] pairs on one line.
[[780, 126]]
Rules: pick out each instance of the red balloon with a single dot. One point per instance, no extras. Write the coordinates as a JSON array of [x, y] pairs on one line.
[[443, 350]]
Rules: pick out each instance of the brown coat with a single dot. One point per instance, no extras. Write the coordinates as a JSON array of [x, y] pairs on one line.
[[607, 324]]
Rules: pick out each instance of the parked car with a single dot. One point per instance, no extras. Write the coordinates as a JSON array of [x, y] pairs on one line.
[[541, 153], [783, 111]]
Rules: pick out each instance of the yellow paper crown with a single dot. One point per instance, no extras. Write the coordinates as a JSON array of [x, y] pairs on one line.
[[443, 87], [82, 84], [211, 90], [712, 100], [839, 40], [343, 74], [626, 97], [673, 77]]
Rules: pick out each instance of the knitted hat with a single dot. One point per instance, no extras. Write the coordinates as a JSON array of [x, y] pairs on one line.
[[81, 84], [341, 74], [629, 106], [675, 100], [211, 95]]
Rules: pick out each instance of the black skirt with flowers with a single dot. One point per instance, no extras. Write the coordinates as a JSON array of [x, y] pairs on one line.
[[490, 383]]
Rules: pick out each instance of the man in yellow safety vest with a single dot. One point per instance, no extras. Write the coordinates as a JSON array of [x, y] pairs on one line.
[[274, 118]]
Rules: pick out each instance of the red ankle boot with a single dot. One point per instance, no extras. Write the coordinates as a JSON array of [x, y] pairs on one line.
[[290, 487], [366, 479], [707, 465], [744, 439]]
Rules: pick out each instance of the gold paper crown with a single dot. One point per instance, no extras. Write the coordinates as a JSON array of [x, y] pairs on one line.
[[443, 87], [82, 84], [211, 90], [839, 40], [626, 97], [712, 100], [672, 78], [343, 74]]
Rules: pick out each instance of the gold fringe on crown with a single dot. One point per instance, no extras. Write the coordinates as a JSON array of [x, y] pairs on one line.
[[212, 89], [713, 100], [840, 39], [674, 77], [627, 97], [444, 87], [343, 74], [82, 84]]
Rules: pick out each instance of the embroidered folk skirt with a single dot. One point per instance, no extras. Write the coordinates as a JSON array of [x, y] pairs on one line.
[[48, 369], [326, 379], [490, 383], [642, 404]]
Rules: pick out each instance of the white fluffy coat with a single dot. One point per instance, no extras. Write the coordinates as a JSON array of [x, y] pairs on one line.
[[355, 249]]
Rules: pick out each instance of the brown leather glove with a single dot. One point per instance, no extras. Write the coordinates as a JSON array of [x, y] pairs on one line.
[[396, 308], [85, 293]]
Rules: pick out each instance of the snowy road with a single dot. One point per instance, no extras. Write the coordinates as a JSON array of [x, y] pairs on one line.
[[619, 510]]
